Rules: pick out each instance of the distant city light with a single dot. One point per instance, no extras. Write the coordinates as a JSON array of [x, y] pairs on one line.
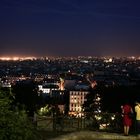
[[17, 58], [108, 60], [5, 58]]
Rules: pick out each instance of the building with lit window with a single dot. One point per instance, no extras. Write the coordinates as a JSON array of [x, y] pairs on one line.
[[76, 101]]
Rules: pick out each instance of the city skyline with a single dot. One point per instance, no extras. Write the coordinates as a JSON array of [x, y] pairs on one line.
[[69, 28]]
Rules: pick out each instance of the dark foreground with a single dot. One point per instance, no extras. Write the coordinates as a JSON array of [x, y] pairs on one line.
[[87, 135]]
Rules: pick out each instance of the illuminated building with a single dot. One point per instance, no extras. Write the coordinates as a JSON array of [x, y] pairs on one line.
[[47, 88], [61, 87], [76, 100]]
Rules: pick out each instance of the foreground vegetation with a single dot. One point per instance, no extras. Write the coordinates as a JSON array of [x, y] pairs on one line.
[[14, 123]]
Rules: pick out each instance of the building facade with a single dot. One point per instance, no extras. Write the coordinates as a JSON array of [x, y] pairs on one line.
[[76, 101]]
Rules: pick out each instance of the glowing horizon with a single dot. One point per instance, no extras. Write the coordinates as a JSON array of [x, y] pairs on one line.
[[21, 58], [15, 58]]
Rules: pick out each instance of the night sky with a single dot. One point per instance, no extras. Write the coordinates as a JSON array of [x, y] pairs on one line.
[[69, 27]]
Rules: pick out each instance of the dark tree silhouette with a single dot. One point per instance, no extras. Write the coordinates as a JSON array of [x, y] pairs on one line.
[[89, 105], [26, 95], [14, 123], [112, 97]]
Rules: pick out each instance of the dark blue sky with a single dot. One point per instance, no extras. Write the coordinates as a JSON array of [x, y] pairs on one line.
[[69, 27]]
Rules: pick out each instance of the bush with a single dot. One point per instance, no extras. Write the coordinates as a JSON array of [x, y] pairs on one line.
[[14, 124]]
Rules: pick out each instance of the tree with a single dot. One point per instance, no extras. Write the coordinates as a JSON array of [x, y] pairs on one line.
[[93, 101], [26, 95], [14, 124], [96, 103]]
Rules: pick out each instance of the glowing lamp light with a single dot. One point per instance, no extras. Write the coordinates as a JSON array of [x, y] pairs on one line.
[[112, 118], [103, 126], [98, 117]]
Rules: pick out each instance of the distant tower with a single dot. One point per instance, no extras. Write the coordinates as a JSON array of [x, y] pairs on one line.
[[93, 84], [61, 87]]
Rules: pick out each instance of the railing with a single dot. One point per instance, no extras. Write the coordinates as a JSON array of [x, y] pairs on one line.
[[111, 122]]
